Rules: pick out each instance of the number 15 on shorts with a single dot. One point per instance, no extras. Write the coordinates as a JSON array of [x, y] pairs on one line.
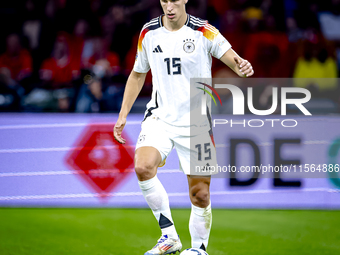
[[203, 160], [207, 151]]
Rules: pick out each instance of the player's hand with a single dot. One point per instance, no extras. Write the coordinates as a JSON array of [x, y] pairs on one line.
[[117, 130], [244, 66]]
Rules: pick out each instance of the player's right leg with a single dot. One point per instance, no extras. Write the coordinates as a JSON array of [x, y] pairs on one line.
[[147, 160], [151, 150]]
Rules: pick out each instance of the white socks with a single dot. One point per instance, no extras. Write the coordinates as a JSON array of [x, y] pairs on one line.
[[199, 226], [158, 201], [200, 218]]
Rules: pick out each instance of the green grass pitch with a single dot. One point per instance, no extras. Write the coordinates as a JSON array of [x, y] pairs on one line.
[[134, 231]]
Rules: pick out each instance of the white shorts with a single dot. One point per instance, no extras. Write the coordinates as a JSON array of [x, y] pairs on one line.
[[197, 154]]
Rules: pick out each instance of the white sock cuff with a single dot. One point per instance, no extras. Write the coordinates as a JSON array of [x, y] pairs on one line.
[[148, 184], [201, 211]]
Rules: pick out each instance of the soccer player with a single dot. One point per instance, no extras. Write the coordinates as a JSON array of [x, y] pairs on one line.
[[176, 47]]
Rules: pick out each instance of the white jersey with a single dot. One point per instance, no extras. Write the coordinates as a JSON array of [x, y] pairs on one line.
[[174, 58]]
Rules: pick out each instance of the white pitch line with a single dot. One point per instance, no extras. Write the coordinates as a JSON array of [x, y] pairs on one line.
[[316, 142], [264, 144], [55, 125], [275, 191], [63, 125], [58, 149], [58, 196], [71, 172], [179, 194]]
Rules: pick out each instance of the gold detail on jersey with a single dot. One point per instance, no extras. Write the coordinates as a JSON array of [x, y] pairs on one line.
[[162, 163], [209, 32]]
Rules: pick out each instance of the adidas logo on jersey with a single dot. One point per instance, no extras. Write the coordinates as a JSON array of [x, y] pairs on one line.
[[157, 49]]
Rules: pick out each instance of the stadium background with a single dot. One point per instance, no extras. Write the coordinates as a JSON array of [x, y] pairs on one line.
[[61, 59]]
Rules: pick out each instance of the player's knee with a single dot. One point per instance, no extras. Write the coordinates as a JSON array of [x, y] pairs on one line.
[[145, 171], [200, 197]]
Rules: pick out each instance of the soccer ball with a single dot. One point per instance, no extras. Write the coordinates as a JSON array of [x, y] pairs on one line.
[[193, 251]]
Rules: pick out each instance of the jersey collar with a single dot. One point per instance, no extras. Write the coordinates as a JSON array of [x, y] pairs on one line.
[[185, 24]]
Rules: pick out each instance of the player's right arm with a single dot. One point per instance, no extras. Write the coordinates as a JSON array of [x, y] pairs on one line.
[[134, 85]]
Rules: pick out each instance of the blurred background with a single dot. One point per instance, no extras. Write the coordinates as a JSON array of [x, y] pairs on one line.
[[76, 55]]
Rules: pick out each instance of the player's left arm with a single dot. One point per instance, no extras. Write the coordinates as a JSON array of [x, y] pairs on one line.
[[239, 65]]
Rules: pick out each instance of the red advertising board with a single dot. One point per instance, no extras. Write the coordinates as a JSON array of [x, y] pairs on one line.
[[100, 160]]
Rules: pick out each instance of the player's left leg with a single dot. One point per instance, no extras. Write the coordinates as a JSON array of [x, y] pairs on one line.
[[200, 217], [197, 156]]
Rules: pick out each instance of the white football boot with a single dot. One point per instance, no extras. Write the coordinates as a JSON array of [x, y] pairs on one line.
[[166, 245]]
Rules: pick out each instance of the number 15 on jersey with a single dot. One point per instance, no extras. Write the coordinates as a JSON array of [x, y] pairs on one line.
[[176, 65]]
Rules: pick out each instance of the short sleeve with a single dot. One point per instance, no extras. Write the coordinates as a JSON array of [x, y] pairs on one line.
[[220, 45], [142, 63]]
